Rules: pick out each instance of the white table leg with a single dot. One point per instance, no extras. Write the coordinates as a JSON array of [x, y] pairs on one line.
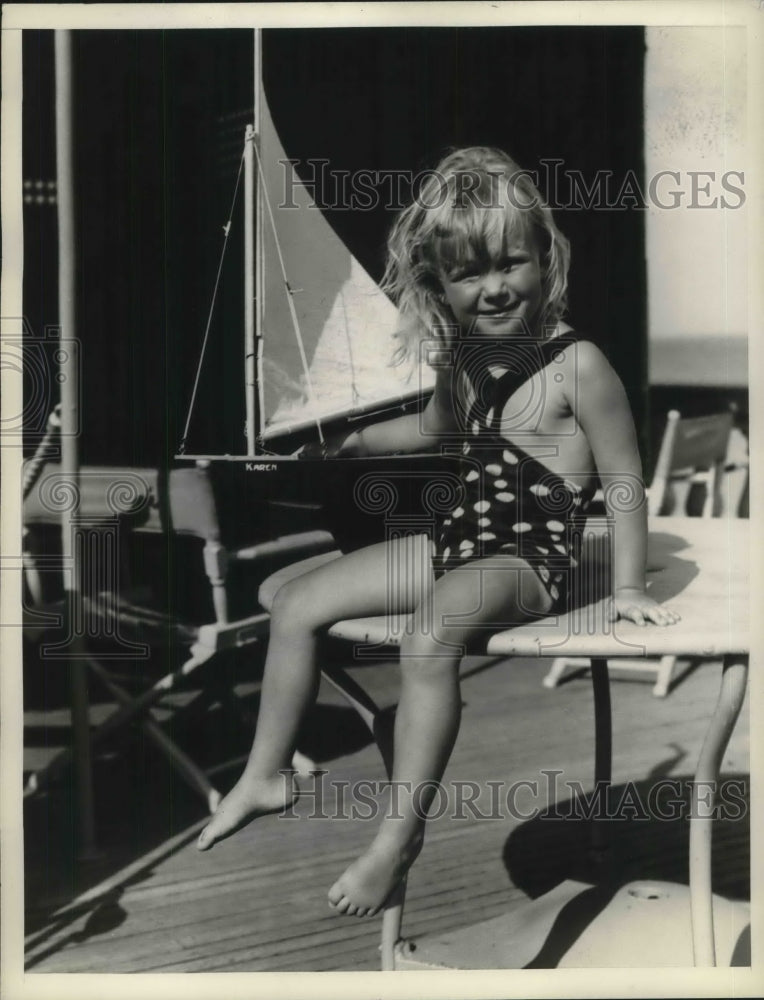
[[603, 749], [381, 728], [731, 694], [392, 918]]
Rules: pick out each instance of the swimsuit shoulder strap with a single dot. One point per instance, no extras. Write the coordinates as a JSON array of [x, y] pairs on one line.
[[529, 359]]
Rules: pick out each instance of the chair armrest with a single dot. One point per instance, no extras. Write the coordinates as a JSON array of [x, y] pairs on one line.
[[303, 543]]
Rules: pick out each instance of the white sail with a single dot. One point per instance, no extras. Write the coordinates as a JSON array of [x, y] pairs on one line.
[[346, 323]]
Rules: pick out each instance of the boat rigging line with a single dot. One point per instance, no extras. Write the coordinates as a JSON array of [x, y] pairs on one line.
[[290, 293], [226, 231]]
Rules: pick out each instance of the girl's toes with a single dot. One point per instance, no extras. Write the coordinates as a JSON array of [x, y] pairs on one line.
[[335, 896]]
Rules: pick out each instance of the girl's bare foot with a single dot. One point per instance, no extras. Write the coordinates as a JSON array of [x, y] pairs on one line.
[[364, 887], [248, 799]]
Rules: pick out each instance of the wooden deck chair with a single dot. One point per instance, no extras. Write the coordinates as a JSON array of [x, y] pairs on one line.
[[113, 505], [701, 469], [382, 631]]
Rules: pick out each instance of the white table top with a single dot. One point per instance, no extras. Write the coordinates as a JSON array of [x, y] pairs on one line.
[[699, 566]]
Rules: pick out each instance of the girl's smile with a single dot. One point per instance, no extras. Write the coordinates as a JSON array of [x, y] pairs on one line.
[[499, 296]]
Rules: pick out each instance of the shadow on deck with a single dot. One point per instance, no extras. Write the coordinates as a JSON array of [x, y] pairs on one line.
[[257, 902]]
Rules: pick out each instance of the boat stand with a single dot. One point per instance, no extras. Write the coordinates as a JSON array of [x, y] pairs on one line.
[[577, 925]]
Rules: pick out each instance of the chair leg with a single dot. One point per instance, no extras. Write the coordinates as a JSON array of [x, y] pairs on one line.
[[603, 751], [124, 714], [189, 771], [731, 695], [556, 671], [32, 578], [663, 680], [366, 707], [232, 702], [303, 764]]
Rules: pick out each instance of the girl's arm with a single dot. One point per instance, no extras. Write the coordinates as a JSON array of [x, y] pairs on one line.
[[411, 433], [603, 413]]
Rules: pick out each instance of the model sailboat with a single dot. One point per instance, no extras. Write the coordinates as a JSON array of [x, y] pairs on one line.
[[319, 332]]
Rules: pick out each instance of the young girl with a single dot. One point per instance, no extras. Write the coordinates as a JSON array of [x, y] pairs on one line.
[[478, 269]]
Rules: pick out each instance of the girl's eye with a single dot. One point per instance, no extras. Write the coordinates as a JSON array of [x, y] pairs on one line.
[[464, 274]]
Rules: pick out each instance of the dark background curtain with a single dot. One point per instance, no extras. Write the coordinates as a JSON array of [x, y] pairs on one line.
[[160, 119]]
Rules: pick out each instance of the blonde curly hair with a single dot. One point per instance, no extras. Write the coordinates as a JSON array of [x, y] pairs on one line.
[[476, 202]]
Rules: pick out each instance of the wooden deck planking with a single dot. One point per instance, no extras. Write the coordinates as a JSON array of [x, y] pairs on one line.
[[216, 951], [257, 901], [215, 933]]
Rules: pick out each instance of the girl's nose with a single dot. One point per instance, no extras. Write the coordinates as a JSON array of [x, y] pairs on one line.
[[495, 284]]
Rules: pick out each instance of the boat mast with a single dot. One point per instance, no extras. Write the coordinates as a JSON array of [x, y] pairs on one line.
[[250, 334], [253, 264], [259, 229]]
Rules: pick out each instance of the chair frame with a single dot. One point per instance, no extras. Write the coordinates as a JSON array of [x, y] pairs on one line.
[[111, 498]]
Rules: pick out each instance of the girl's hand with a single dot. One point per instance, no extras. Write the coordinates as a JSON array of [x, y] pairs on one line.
[[635, 606], [329, 449], [311, 450]]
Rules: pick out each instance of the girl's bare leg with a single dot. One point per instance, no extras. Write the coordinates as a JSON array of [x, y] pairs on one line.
[[353, 586], [493, 593]]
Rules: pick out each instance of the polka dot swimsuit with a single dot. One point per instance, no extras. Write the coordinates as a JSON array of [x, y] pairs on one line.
[[510, 502]]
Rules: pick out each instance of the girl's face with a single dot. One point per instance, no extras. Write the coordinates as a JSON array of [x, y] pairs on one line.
[[500, 296]]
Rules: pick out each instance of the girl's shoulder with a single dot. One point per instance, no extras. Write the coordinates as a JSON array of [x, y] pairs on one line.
[[574, 348], [580, 368]]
